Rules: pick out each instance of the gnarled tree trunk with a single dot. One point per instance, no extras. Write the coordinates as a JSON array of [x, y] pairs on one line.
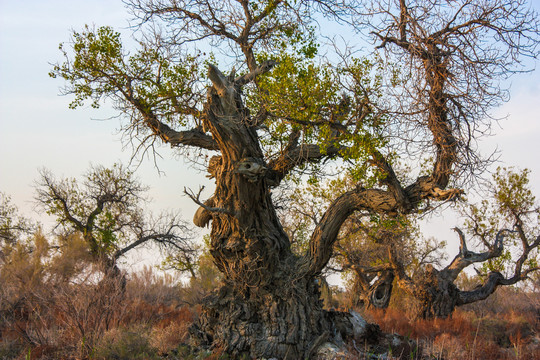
[[381, 290], [436, 293], [269, 304], [266, 306], [435, 289]]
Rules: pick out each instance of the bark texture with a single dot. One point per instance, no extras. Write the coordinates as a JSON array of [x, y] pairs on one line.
[[435, 289], [269, 304], [265, 307], [372, 293]]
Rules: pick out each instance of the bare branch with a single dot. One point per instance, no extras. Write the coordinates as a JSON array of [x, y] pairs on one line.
[[252, 75], [466, 257]]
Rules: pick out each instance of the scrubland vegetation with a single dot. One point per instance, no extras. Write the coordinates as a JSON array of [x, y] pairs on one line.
[[55, 303], [280, 102], [64, 294]]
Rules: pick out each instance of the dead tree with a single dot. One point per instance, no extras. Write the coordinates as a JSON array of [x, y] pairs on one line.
[[283, 112]]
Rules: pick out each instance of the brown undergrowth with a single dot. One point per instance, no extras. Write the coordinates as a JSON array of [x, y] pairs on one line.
[[48, 311], [506, 326], [144, 320]]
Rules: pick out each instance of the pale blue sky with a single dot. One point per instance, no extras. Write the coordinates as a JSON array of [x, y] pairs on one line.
[[38, 130], [36, 127]]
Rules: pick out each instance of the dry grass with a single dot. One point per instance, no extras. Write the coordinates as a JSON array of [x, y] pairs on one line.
[[90, 318], [57, 311], [467, 335]]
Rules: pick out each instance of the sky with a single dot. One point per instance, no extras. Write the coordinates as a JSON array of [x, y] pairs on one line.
[[38, 130]]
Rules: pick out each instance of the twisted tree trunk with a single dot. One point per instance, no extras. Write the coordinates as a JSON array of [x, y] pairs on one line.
[[269, 304], [266, 306], [372, 295], [437, 294], [435, 289]]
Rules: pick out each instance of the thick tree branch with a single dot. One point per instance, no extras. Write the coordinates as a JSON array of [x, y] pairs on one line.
[[391, 180], [495, 278], [326, 232], [117, 254], [371, 200], [252, 75], [296, 155], [465, 257], [194, 137], [481, 293]]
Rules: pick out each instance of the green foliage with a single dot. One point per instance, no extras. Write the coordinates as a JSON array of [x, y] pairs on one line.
[[333, 106], [497, 264], [510, 205], [511, 192], [299, 92], [183, 261], [149, 81]]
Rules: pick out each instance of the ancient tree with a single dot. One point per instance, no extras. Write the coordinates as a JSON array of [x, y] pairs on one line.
[[505, 225], [276, 105], [106, 211], [363, 254]]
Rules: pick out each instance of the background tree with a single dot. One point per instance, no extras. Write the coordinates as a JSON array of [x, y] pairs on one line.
[[509, 256], [106, 211], [363, 255], [361, 251], [13, 226], [204, 275], [299, 112]]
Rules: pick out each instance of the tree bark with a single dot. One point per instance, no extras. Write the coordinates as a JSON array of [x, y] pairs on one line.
[[381, 291], [437, 294], [435, 289], [269, 304], [376, 295], [265, 307]]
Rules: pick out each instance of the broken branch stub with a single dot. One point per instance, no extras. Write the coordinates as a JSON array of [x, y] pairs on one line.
[[251, 168]]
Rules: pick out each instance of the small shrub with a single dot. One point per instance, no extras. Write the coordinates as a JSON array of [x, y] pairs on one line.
[[165, 339], [125, 344]]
